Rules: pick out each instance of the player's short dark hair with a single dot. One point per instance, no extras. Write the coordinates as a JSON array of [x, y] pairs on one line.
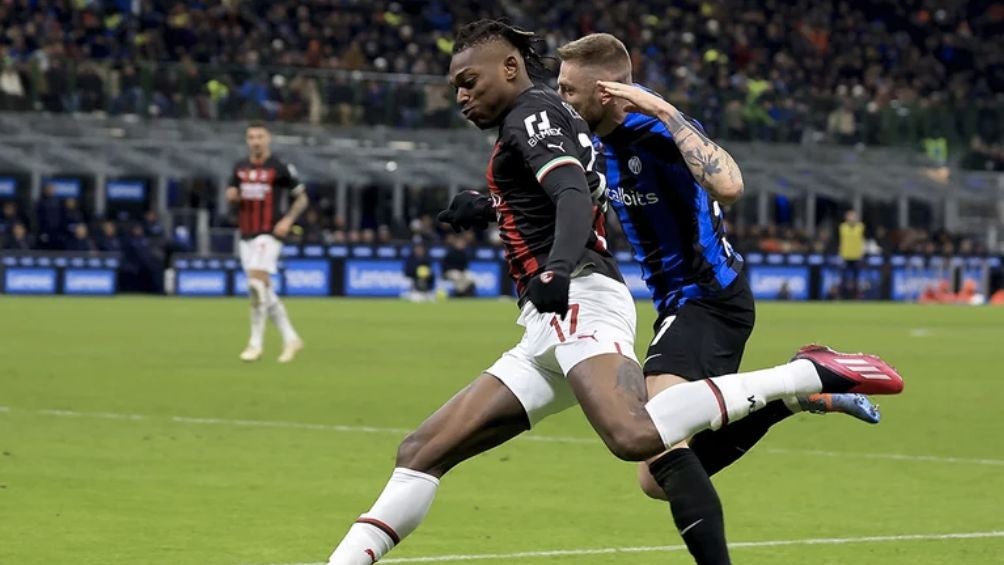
[[598, 49], [257, 124], [529, 45]]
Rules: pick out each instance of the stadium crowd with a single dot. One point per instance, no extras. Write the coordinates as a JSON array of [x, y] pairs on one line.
[[885, 72]]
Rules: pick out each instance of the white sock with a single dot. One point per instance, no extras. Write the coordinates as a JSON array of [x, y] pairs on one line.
[[682, 410], [277, 313], [401, 507]]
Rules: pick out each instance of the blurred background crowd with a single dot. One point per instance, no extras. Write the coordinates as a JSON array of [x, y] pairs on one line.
[[921, 73]]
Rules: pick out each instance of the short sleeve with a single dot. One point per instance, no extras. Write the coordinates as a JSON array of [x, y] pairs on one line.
[[544, 137], [289, 179]]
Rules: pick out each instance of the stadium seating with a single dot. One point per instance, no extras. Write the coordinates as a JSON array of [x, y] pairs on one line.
[[880, 73]]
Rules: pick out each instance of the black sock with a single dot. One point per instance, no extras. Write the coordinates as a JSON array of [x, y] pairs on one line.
[[717, 449], [696, 509]]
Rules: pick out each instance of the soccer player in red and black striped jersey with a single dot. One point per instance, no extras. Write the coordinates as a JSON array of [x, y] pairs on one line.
[[259, 185], [579, 317]]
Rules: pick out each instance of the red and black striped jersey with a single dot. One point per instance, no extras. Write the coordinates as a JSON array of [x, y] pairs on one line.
[[539, 134], [261, 187]]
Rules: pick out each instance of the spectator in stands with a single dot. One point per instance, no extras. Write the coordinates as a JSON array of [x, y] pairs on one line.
[[109, 240], [852, 250], [18, 239], [456, 265], [12, 93], [152, 227], [8, 217], [418, 268], [72, 214], [81, 241], [986, 148], [423, 230], [49, 220], [313, 229], [842, 124], [142, 261], [90, 88], [130, 91]]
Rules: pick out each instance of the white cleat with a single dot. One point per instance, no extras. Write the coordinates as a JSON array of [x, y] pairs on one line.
[[290, 350], [251, 353]]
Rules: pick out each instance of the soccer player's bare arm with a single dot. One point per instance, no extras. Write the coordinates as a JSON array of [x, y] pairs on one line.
[[301, 201], [712, 166]]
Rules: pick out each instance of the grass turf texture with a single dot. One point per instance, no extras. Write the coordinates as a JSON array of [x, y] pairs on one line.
[[92, 487]]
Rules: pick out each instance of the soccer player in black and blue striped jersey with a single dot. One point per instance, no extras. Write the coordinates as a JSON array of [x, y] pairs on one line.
[[667, 182]]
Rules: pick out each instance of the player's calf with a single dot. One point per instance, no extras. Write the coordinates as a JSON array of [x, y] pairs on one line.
[[257, 292], [478, 418]]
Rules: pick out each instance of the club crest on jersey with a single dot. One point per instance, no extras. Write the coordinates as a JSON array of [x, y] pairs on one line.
[[546, 277], [538, 127], [634, 165]]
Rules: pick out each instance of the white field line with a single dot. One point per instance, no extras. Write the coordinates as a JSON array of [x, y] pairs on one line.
[[668, 548], [527, 437]]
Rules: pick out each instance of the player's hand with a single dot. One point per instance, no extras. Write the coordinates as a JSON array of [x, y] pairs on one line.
[[233, 195], [638, 99], [468, 210], [282, 228], [549, 292]]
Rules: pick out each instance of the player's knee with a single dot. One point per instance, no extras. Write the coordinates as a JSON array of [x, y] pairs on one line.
[[416, 453], [633, 442], [408, 450], [256, 290]]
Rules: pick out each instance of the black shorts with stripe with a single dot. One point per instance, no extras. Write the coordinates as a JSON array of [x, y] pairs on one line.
[[706, 337]]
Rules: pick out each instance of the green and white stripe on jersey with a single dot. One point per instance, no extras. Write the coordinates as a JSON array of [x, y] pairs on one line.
[[555, 163]]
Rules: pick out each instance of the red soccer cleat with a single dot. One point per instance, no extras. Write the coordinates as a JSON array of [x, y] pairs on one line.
[[851, 372]]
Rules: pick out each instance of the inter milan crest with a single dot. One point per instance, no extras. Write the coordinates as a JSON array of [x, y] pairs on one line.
[[634, 165]]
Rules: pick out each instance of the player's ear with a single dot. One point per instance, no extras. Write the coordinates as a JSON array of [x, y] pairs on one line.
[[511, 67], [605, 97]]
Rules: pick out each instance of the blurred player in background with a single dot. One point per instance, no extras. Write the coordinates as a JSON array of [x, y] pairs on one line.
[[578, 316], [667, 182], [258, 186]]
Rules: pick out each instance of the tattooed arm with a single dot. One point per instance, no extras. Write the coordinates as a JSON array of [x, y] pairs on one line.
[[711, 165]]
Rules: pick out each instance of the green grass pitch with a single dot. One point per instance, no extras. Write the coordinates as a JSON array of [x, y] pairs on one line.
[[130, 434]]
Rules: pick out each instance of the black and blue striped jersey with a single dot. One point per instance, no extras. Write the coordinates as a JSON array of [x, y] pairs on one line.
[[675, 228]]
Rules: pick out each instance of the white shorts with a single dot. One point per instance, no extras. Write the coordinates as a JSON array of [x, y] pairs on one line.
[[260, 253], [601, 319]]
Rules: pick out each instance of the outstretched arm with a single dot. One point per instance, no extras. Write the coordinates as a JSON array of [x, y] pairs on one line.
[[711, 165]]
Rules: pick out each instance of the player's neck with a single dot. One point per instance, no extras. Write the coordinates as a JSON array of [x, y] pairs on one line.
[[259, 159], [610, 122]]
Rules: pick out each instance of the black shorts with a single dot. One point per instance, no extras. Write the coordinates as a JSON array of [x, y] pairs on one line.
[[707, 336]]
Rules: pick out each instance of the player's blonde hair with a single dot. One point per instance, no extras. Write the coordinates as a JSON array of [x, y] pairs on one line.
[[599, 50]]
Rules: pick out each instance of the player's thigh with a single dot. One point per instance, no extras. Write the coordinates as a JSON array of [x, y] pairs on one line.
[[483, 415], [597, 357], [704, 339], [261, 254]]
